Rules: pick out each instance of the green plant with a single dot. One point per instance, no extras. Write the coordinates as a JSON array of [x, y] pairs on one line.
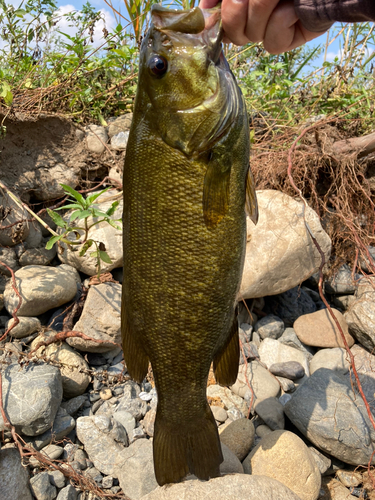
[[76, 234]]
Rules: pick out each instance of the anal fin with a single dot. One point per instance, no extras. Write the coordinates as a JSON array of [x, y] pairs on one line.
[[227, 359], [180, 449], [136, 359]]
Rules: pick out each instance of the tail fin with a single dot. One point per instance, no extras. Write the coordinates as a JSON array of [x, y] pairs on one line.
[[180, 449]]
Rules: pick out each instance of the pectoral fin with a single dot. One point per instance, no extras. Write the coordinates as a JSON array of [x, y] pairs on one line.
[[251, 205], [216, 189], [136, 359], [227, 359]]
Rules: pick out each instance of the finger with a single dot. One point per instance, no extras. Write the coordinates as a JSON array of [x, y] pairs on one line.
[[259, 12], [284, 30], [234, 16]]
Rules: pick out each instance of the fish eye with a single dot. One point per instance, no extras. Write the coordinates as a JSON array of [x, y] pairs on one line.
[[158, 66]]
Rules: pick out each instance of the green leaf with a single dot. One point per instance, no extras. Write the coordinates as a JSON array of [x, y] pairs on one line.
[[97, 213], [85, 247], [92, 197], [57, 219], [105, 257], [52, 241], [81, 200], [113, 224], [71, 205], [84, 214], [112, 208]]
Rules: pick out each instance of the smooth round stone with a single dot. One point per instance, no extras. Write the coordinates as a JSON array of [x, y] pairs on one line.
[[26, 326], [342, 282], [231, 463], [262, 430], [219, 413], [286, 384], [284, 456], [37, 256], [349, 478], [333, 359], [239, 437], [288, 369], [318, 329], [270, 326], [105, 394]]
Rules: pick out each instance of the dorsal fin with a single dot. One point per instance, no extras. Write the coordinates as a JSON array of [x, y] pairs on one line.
[[183, 21]]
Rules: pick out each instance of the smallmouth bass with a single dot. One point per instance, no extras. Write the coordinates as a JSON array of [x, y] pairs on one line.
[[186, 180]]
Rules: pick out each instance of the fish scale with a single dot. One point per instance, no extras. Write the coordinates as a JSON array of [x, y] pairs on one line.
[[182, 266]]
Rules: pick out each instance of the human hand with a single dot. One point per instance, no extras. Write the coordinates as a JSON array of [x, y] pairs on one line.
[[273, 22]]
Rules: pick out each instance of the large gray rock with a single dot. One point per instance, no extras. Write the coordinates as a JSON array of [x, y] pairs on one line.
[[290, 305], [284, 456], [14, 478], [100, 319], [42, 288], [332, 417], [103, 233], [13, 213], [231, 487], [361, 314], [136, 470], [31, 397], [103, 439], [280, 253], [365, 366], [73, 368], [263, 385], [334, 359]]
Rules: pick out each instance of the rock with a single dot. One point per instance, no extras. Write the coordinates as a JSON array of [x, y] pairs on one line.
[[47, 181], [134, 405], [270, 327], [230, 487], [342, 282], [263, 384], [334, 490], [319, 329], [323, 463], [365, 366], [238, 436], [367, 261], [35, 236], [115, 175], [61, 427], [8, 257], [219, 413], [286, 384], [349, 478], [107, 482], [136, 471], [41, 289], [42, 488], [105, 394], [290, 338], [126, 419], [335, 359], [14, 478], [149, 421], [67, 493], [272, 351], [290, 305], [231, 399], [37, 256], [231, 463], [279, 252], [342, 301], [52, 451], [120, 140], [360, 316], [71, 363], [74, 404], [332, 417], [31, 397], [96, 138], [284, 456], [271, 411], [56, 478], [262, 430], [120, 124], [26, 326], [103, 232], [100, 319], [104, 439], [11, 214], [289, 369]]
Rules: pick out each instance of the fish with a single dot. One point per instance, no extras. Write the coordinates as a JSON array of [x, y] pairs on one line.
[[186, 183]]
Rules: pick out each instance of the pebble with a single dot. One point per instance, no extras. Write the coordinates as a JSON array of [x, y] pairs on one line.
[[219, 413], [120, 140], [272, 351], [288, 369], [361, 315], [105, 394], [74, 404], [107, 482], [271, 411], [67, 493], [349, 478], [323, 462], [25, 327], [61, 427], [342, 282], [286, 384], [96, 138], [126, 419], [319, 329], [42, 488], [56, 478], [290, 305], [263, 384], [270, 327], [335, 359], [238, 436]]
